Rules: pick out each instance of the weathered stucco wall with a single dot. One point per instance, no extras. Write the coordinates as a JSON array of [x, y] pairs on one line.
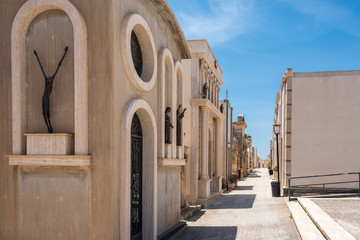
[[325, 129], [169, 197]]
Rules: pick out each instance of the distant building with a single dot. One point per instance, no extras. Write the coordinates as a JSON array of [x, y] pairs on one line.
[[241, 152]]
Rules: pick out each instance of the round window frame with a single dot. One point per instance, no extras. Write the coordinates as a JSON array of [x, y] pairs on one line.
[[135, 22]]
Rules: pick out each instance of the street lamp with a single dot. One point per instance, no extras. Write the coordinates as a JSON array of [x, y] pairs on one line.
[[277, 184]]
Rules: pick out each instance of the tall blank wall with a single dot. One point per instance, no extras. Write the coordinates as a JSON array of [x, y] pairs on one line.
[[325, 125]]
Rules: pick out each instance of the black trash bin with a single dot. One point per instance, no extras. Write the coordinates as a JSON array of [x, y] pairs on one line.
[[275, 189]]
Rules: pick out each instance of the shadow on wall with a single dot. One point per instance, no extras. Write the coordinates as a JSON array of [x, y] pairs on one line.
[[234, 201], [210, 233]]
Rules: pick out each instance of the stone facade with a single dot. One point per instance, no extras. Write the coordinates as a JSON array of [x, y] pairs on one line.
[[81, 186], [228, 139], [318, 113], [241, 151], [205, 123]]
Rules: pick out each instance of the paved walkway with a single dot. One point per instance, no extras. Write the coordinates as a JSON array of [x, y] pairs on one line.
[[344, 211], [247, 212]]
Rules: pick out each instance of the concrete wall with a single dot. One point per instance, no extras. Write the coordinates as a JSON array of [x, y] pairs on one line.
[[325, 129]]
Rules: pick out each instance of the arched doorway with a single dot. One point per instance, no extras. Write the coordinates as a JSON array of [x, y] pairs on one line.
[[146, 117], [136, 178]]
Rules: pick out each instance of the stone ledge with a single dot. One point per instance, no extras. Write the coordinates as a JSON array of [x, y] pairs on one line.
[[171, 162], [50, 160]]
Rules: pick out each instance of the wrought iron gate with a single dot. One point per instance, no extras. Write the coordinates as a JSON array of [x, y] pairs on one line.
[[136, 178]]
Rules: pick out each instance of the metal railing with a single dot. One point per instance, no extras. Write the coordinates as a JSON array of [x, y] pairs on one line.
[[321, 183]]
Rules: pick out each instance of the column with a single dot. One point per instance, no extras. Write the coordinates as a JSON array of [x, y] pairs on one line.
[[204, 112], [204, 182], [211, 89], [217, 146], [209, 83], [218, 158], [218, 96], [202, 80]]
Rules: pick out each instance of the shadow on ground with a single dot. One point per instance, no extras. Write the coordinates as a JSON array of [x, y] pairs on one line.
[[234, 201], [244, 188], [192, 232], [196, 217], [253, 176]]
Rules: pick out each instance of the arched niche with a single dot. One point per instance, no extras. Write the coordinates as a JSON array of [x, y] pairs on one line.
[[180, 101], [49, 33], [30, 10], [167, 98], [149, 131]]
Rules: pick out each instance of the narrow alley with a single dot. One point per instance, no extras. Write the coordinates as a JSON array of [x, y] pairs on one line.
[[247, 212]]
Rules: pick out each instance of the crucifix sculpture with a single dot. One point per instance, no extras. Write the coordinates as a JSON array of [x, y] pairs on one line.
[[49, 80]]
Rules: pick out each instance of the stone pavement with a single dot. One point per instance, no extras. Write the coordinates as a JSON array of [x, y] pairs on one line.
[[247, 212], [345, 212]]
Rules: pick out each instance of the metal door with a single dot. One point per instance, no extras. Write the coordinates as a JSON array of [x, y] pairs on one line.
[[136, 179]]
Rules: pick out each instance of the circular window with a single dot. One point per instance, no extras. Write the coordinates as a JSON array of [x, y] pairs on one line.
[[138, 52]]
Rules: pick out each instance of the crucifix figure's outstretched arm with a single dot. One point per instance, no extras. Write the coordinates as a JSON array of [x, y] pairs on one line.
[[59, 64], [40, 64]]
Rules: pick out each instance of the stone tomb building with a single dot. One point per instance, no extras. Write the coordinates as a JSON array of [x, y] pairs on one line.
[[105, 172], [204, 127], [319, 132], [227, 110], [240, 145]]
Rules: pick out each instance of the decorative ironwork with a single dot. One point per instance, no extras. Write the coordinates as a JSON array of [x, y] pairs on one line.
[[136, 53], [136, 178]]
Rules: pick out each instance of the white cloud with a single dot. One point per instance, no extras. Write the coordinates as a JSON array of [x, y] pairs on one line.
[[224, 20]]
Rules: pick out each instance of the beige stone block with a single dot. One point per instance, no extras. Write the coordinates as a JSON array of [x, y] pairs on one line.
[[288, 167], [50, 160], [204, 188], [289, 97], [288, 124], [179, 152], [288, 139], [168, 151], [217, 184], [50, 144], [171, 162], [288, 110], [289, 83]]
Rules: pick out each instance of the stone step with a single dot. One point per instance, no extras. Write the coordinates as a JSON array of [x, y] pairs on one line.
[[189, 211], [207, 202], [306, 227], [329, 228]]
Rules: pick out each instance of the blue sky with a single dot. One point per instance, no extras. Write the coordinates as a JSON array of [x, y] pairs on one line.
[[255, 41]]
